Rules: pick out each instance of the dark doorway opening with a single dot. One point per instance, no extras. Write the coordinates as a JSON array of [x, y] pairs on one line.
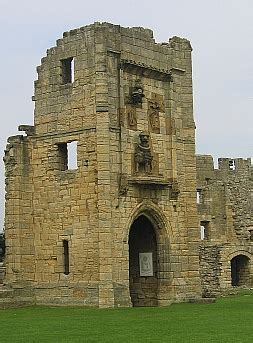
[[240, 272], [143, 281]]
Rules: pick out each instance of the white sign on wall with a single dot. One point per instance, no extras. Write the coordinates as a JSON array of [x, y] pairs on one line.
[[146, 263]]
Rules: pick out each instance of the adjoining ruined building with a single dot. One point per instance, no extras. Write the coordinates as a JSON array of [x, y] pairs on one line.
[[225, 207], [117, 223]]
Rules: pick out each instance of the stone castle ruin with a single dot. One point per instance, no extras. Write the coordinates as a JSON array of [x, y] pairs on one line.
[[101, 205]]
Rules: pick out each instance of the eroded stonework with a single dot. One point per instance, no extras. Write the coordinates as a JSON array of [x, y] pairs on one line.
[[225, 210], [77, 235]]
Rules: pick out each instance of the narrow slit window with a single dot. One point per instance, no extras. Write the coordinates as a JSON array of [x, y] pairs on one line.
[[66, 256], [198, 196], [204, 230], [67, 66], [251, 235]]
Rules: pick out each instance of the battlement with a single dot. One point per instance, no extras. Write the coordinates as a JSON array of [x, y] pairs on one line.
[[225, 165], [234, 164]]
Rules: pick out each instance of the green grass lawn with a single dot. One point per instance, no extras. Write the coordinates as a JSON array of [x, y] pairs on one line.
[[228, 320]]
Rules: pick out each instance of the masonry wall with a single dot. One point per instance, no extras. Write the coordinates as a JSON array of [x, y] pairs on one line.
[[93, 207], [210, 270], [19, 234], [225, 208], [238, 174]]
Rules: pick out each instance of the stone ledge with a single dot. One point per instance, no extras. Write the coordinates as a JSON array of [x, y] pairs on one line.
[[150, 180]]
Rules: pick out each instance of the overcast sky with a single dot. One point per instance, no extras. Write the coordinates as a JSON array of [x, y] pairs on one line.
[[221, 34]]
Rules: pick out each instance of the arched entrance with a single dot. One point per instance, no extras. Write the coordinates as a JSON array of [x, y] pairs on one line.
[[240, 270], [143, 269]]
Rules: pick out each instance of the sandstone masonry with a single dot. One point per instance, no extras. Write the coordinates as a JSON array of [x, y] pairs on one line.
[[121, 228], [225, 210]]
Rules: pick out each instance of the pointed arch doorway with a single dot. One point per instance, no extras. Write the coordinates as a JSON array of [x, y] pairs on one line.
[[143, 264]]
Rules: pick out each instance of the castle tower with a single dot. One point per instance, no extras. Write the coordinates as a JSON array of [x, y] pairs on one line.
[[121, 227]]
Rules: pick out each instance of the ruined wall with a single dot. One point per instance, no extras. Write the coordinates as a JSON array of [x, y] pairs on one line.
[[123, 83], [226, 197], [238, 174], [210, 270], [214, 204], [127, 103], [19, 234], [225, 210]]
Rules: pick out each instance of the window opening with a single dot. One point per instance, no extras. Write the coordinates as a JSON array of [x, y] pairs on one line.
[[204, 230], [72, 155], [251, 235], [67, 70], [198, 196], [66, 256], [231, 164], [63, 156], [67, 155], [2, 247]]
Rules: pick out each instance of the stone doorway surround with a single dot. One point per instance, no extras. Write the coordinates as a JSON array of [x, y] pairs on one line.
[[240, 272], [228, 261], [149, 215], [143, 266]]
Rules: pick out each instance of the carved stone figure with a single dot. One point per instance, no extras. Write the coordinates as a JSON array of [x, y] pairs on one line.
[[153, 113], [136, 93], [131, 118], [143, 155]]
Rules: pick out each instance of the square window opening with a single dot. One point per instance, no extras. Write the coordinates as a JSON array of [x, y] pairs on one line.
[[68, 155]]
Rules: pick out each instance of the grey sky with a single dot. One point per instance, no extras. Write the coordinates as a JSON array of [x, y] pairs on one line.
[[221, 34]]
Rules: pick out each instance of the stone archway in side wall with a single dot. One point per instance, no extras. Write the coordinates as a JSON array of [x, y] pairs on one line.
[[149, 268], [237, 268], [240, 271]]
